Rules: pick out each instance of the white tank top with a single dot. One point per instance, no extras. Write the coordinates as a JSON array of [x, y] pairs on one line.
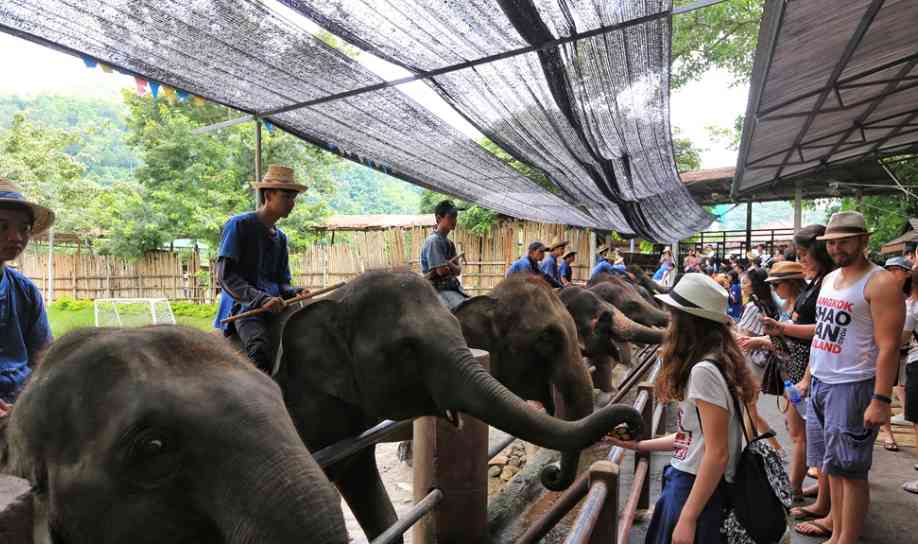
[[843, 349]]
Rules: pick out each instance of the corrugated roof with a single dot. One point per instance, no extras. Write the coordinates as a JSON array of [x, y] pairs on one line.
[[834, 81]]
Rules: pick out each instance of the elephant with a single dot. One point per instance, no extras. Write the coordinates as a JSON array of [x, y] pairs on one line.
[[625, 296], [534, 352], [385, 347], [641, 278], [160, 434], [606, 332]]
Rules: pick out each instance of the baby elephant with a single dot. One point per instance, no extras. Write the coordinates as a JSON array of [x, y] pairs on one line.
[[160, 434]]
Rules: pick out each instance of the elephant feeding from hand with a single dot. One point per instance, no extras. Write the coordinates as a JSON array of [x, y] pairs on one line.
[[385, 347], [161, 434]]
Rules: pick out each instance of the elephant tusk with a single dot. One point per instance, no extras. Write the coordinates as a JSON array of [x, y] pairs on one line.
[[455, 418]]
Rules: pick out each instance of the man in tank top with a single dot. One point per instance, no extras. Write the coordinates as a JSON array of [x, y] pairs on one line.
[[853, 359]]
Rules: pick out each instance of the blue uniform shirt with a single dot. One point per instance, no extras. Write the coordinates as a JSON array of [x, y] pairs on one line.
[[436, 252], [24, 330], [259, 256], [565, 271], [549, 267], [523, 264], [601, 266]]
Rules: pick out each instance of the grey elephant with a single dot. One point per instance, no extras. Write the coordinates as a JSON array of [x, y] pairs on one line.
[[606, 332], [159, 434], [384, 347], [625, 296]]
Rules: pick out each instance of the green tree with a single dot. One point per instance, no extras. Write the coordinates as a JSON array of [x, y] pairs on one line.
[[686, 154], [720, 36], [36, 158]]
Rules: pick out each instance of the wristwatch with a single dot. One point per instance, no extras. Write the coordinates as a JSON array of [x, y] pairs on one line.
[[882, 398]]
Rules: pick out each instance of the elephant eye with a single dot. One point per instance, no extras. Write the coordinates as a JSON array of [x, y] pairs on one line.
[[153, 456]]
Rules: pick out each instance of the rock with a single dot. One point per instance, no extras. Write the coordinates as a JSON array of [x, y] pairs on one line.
[[500, 460], [508, 473], [494, 471], [514, 461]]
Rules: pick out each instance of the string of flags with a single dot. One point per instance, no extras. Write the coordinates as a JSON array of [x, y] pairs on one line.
[[142, 85]]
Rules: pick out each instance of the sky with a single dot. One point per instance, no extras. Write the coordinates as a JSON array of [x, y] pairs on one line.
[[30, 69]]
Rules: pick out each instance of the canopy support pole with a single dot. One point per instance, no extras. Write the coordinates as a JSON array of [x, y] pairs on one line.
[[748, 226], [50, 290], [258, 195], [798, 206], [593, 249], [859, 196]]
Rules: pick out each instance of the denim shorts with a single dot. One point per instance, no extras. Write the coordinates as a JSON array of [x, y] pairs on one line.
[[676, 488], [837, 440]]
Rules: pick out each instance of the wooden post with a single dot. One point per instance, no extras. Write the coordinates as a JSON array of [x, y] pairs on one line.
[[606, 530], [647, 419], [75, 271], [798, 206], [456, 462], [257, 160], [748, 228], [859, 196], [50, 291], [592, 251]]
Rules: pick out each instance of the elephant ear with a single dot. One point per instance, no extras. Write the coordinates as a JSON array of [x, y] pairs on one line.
[[476, 315], [315, 350]]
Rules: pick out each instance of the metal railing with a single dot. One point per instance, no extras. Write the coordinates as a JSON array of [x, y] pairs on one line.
[[420, 510], [597, 522], [349, 446]]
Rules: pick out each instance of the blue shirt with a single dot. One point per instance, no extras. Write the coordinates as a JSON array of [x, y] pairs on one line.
[[24, 330], [601, 267], [436, 252], [549, 267], [565, 270], [735, 306], [259, 256], [523, 264]]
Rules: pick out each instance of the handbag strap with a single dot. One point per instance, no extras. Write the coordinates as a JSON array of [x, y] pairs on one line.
[[736, 406]]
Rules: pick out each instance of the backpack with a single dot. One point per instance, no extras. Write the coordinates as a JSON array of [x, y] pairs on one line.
[[760, 495]]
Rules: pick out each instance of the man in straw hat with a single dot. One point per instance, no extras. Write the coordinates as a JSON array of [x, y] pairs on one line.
[[529, 263], [24, 330], [854, 356], [549, 265], [253, 267], [567, 273], [437, 257]]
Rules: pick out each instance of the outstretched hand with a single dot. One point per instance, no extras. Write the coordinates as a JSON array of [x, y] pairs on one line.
[[273, 305], [5, 408]]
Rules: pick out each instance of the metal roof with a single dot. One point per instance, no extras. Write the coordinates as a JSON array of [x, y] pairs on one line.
[[834, 81]]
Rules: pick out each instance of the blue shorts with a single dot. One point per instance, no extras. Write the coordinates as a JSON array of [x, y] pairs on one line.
[[836, 439], [676, 488]]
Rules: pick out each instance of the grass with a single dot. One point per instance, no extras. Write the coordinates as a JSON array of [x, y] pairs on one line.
[[66, 315]]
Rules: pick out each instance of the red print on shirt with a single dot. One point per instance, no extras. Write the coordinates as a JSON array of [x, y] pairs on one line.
[[683, 439]]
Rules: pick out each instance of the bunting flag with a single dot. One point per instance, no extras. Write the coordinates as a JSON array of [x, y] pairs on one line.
[[269, 126], [105, 68], [89, 62], [154, 88], [169, 93], [182, 95], [141, 84], [198, 101]]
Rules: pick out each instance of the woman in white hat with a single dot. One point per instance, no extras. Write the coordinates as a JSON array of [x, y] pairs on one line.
[[705, 371]]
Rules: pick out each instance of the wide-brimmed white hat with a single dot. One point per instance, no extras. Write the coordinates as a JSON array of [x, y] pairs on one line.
[[698, 294]]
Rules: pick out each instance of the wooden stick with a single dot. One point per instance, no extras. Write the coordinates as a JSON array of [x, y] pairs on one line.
[[430, 275], [288, 302]]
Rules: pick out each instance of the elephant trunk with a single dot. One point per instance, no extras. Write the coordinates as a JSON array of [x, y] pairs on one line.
[[626, 330], [468, 388], [655, 317], [285, 499]]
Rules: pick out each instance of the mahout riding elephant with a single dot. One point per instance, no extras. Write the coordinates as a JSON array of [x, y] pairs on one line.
[[385, 347], [606, 332], [625, 296], [159, 434]]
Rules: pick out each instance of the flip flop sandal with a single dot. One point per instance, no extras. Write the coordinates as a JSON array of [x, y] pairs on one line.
[[911, 487], [890, 445], [800, 513], [813, 529]]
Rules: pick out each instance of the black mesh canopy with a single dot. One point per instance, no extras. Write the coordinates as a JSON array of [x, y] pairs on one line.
[[592, 114]]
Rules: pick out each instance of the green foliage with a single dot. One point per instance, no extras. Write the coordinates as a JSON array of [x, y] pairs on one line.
[[686, 154], [67, 304], [190, 309], [719, 36], [361, 190]]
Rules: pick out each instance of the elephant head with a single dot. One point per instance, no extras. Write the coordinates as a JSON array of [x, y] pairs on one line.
[[385, 347], [162, 434], [642, 279], [624, 295]]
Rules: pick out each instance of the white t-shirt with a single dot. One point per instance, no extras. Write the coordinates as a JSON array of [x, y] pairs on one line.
[[707, 384], [911, 325]]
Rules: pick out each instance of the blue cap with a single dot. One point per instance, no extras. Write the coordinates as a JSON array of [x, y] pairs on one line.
[[900, 262]]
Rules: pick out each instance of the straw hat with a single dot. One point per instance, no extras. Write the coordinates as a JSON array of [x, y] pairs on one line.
[[279, 177], [556, 243], [43, 217], [569, 254], [785, 270], [845, 225], [698, 294], [603, 250]]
